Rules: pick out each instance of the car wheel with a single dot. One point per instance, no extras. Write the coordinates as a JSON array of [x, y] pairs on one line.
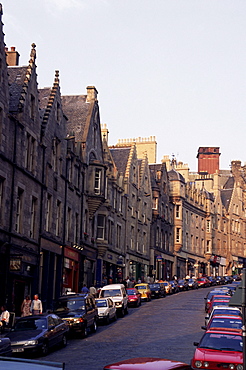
[[44, 349], [126, 310], [107, 320], [140, 302], [84, 332], [64, 341], [94, 327], [115, 316]]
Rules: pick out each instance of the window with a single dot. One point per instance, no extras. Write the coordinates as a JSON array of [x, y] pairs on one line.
[[101, 227], [1, 199], [97, 184], [208, 226], [56, 147], [58, 217], [30, 153], [19, 210], [144, 242], [76, 229], [69, 224], [118, 238], [177, 211], [1, 124], [48, 212], [132, 237], [155, 203], [33, 217], [110, 231], [32, 107], [178, 235]]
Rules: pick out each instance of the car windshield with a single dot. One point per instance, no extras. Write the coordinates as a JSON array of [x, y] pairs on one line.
[[70, 305], [226, 323], [101, 303], [220, 341], [31, 324], [155, 286], [131, 292], [221, 311], [111, 293], [141, 287]]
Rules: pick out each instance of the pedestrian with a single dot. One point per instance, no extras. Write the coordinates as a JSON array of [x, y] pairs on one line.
[[84, 289], [139, 281], [4, 318], [26, 306], [93, 291], [36, 306]]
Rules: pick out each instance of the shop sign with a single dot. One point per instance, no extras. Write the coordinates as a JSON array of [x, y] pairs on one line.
[[158, 258], [15, 264]]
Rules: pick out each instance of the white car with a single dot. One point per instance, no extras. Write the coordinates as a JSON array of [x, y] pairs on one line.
[[106, 309], [223, 310]]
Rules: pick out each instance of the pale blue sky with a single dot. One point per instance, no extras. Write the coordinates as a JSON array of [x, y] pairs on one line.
[[174, 69]]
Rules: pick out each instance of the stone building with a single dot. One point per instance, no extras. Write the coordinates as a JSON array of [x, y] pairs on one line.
[[161, 231], [137, 187]]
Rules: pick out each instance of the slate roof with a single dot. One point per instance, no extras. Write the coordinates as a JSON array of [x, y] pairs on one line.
[[16, 80], [175, 176], [120, 157], [226, 192], [76, 109], [226, 195]]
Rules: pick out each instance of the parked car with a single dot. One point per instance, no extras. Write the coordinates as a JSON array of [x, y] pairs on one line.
[[106, 310], [228, 279], [174, 284], [79, 311], [134, 297], [183, 285], [219, 349], [203, 282], [210, 296], [223, 310], [225, 322], [5, 347], [192, 283], [220, 280], [38, 333], [212, 280], [157, 290], [148, 363], [9, 363], [118, 294], [218, 303], [168, 286], [144, 290]]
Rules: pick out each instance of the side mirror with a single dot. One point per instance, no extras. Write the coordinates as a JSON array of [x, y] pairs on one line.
[[204, 327], [195, 343]]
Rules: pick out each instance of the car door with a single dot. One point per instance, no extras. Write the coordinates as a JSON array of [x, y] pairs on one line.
[[90, 310]]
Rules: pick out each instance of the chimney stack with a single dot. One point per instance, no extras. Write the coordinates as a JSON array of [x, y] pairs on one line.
[[12, 57], [91, 94], [208, 160]]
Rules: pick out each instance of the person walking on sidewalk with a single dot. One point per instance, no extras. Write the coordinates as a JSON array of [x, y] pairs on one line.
[[36, 306]]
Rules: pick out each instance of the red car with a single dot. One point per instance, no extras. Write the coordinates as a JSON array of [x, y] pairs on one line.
[[210, 295], [134, 297], [203, 282], [219, 350], [148, 363], [225, 322], [216, 302], [217, 297]]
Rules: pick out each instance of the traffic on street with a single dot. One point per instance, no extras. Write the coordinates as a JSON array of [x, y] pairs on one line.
[[103, 331]]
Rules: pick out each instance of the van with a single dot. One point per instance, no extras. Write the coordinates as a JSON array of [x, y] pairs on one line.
[[117, 293]]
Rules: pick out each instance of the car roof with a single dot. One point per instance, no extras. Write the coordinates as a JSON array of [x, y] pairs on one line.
[[224, 316], [11, 363], [218, 331], [75, 296], [113, 286], [147, 363]]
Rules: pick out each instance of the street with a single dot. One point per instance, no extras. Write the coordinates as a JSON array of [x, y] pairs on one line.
[[165, 327]]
